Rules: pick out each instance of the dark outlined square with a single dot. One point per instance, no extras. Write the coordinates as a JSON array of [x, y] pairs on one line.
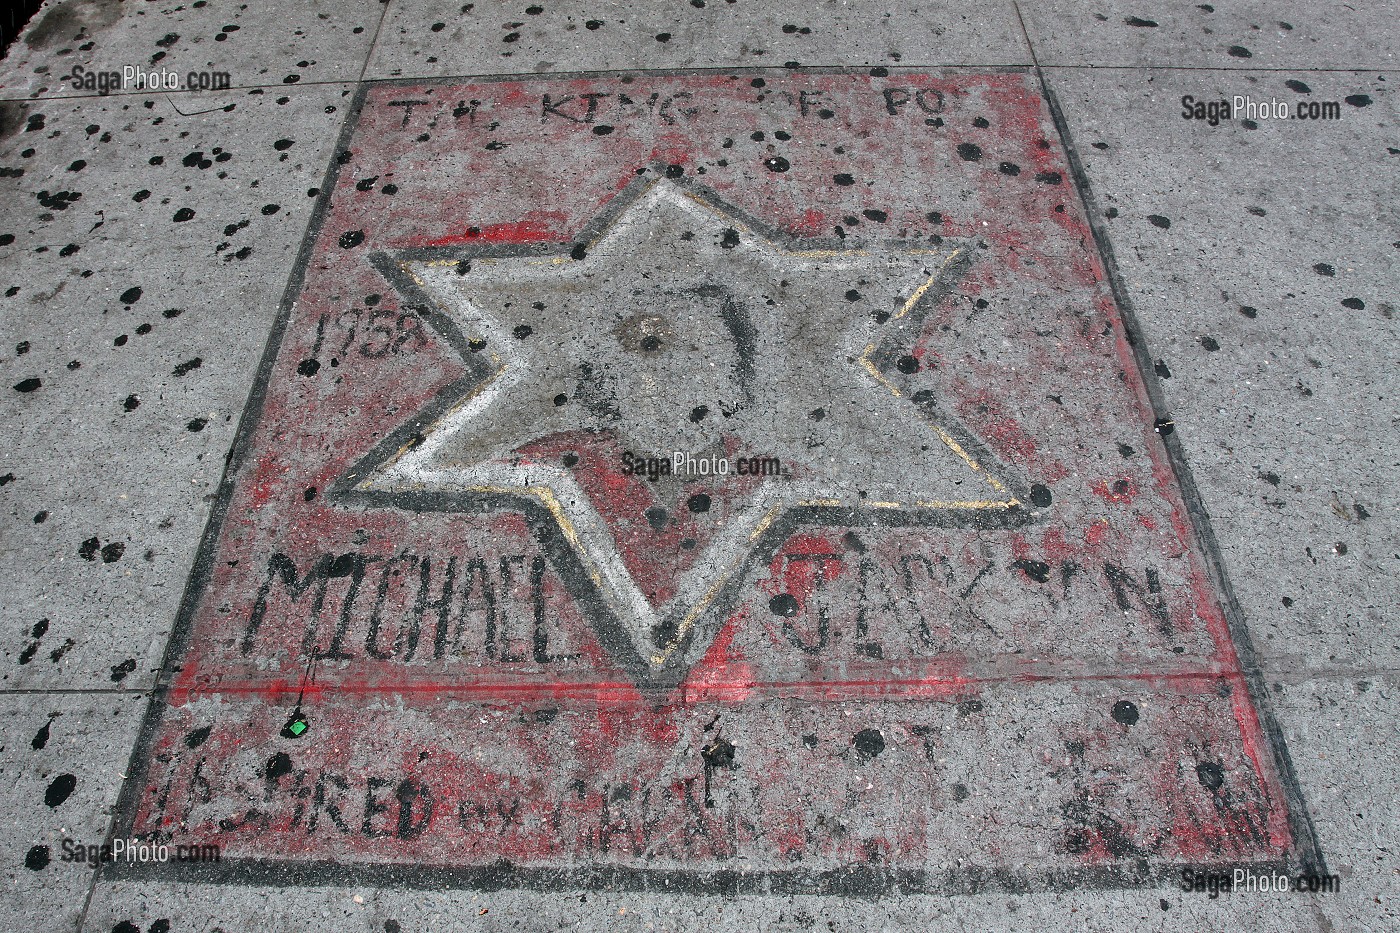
[[1053, 695]]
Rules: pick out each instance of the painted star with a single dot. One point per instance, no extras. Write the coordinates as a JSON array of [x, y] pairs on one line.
[[681, 332]]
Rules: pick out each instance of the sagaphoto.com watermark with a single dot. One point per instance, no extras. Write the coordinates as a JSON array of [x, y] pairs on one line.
[[1246, 881], [134, 851], [133, 78], [1213, 112], [684, 464]]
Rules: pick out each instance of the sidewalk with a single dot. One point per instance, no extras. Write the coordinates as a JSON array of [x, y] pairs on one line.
[[1063, 571]]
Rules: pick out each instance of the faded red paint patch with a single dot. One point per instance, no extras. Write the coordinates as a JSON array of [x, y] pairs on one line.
[[529, 230], [878, 695], [724, 674], [805, 562], [1119, 491]]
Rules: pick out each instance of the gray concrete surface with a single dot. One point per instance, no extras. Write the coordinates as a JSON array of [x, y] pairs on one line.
[[1268, 298]]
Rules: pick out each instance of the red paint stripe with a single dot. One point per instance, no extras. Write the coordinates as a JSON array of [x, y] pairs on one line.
[[1247, 718], [524, 231]]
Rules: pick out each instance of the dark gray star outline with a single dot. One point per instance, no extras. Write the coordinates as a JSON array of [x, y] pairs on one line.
[[683, 645]]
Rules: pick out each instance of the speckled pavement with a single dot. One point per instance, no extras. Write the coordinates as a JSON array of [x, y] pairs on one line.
[[699, 465]]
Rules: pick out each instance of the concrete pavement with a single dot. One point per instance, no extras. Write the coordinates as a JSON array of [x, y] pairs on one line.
[[1077, 572]]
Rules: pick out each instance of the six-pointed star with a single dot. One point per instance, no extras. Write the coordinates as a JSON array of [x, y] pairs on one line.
[[681, 327]]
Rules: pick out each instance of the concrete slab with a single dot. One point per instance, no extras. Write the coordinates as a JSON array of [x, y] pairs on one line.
[[569, 673], [1278, 406], [425, 39], [1343, 735], [109, 301], [1340, 731], [62, 759], [317, 42], [1018, 722], [1222, 36]]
